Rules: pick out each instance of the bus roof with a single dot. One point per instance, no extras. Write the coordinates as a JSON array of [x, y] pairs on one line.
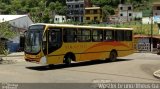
[[80, 26]]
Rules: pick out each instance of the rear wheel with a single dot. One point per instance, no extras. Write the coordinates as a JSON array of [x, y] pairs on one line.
[[113, 56]]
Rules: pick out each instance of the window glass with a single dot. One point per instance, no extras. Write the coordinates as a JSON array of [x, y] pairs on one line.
[[54, 39], [97, 35], [120, 35], [83, 35], [69, 35], [108, 35], [128, 35]]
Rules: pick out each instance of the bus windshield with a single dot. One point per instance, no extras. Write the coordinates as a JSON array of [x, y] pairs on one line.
[[33, 39]]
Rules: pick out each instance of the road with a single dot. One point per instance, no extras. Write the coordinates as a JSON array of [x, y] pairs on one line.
[[135, 68]]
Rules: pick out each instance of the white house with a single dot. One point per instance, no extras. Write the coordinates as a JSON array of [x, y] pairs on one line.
[[21, 23], [59, 19], [126, 13]]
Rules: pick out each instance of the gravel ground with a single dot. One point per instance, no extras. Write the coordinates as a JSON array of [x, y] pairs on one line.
[[12, 58]]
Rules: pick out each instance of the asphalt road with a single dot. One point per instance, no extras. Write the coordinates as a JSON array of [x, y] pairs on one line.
[[136, 68]]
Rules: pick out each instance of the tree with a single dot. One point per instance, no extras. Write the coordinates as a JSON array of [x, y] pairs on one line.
[[6, 32], [107, 10]]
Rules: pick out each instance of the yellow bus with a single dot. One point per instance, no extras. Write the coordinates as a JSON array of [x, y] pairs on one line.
[[62, 43]]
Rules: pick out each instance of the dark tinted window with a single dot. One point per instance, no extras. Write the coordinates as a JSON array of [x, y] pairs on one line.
[[128, 35], [108, 35], [54, 39], [97, 35], [84, 35], [69, 35], [119, 35]]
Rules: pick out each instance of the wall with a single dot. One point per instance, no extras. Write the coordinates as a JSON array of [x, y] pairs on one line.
[[59, 19]]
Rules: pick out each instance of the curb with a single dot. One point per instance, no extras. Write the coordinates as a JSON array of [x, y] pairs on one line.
[[157, 74]]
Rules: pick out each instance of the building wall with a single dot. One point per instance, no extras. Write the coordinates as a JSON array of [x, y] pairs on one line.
[[75, 10], [93, 14], [125, 7], [126, 13], [59, 19]]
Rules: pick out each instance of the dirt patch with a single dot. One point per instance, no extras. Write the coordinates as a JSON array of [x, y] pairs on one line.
[[8, 61]]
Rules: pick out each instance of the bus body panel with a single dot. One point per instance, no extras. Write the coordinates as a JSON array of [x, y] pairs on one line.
[[84, 51]]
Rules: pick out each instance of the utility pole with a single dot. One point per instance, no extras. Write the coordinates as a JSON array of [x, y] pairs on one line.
[[151, 42]]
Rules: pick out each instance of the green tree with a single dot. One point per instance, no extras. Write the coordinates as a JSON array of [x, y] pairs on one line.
[[6, 32]]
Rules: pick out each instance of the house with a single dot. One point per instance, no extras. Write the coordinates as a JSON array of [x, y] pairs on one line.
[[93, 14], [156, 8], [75, 10], [20, 24], [126, 13], [59, 19]]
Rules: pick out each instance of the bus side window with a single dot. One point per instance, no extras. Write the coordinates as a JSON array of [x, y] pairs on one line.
[[84, 35], [97, 35], [128, 35], [69, 35], [119, 35], [108, 35]]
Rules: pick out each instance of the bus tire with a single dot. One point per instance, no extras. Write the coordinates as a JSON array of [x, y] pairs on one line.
[[67, 60], [113, 56]]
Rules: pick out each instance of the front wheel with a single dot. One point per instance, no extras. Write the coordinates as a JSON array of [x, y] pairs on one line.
[[67, 60], [113, 56]]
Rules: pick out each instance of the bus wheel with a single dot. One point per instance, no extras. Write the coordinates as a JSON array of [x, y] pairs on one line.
[[67, 60], [113, 56]]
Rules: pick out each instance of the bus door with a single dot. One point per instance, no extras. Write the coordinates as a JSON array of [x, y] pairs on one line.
[[54, 40]]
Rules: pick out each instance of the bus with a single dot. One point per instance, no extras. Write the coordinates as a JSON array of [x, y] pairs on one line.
[[61, 43]]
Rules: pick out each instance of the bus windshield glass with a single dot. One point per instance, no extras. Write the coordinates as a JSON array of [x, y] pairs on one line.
[[33, 39]]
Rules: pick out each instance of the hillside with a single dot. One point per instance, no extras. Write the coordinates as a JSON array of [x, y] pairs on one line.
[[43, 10]]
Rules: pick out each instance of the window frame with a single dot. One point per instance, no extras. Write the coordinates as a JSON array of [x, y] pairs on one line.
[[74, 35], [112, 35], [117, 35], [128, 37], [100, 36], [81, 35]]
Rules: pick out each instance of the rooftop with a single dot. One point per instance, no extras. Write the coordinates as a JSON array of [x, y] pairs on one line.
[[92, 8], [4, 18]]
